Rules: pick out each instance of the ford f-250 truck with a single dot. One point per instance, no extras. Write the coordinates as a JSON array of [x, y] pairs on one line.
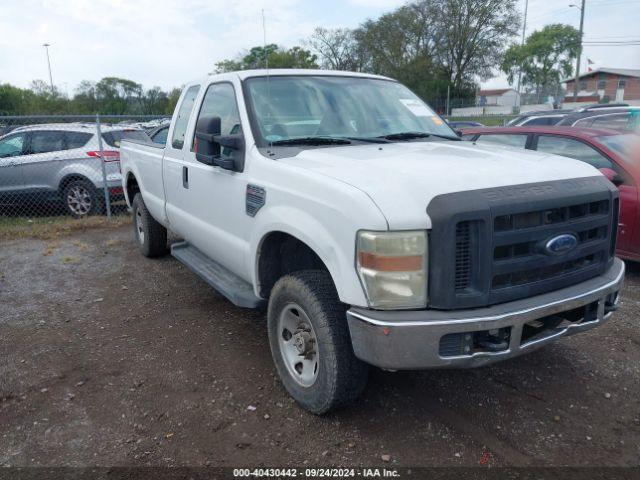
[[344, 205]]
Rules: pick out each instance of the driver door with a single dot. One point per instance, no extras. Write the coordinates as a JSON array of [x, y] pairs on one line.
[[12, 150], [214, 197]]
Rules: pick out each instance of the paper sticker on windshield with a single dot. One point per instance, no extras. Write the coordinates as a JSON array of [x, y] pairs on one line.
[[416, 107]]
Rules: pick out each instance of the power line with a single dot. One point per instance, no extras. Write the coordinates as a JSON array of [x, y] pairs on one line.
[[608, 37], [625, 42], [611, 44]]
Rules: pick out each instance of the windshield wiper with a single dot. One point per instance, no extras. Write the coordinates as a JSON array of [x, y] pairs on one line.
[[312, 141], [369, 139], [412, 135]]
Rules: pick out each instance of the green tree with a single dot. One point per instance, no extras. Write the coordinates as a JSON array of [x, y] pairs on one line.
[[470, 36], [545, 58], [277, 57], [84, 100], [13, 100], [172, 100], [337, 49], [119, 96], [430, 45]]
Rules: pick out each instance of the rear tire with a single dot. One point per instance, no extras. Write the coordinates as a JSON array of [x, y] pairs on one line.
[[310, 342], [80, 198], [150, 236]]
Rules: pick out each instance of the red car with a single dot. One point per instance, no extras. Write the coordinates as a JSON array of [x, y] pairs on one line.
[[616, 154]]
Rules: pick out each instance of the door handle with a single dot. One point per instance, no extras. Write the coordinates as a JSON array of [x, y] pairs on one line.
[[185, 177]]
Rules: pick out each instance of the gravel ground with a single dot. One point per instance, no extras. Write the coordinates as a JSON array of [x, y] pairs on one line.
[[108, 358]]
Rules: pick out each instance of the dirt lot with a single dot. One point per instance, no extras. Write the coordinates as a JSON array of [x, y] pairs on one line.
[[108, 358]]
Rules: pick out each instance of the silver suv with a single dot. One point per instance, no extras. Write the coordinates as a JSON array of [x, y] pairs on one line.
[[62, 163]]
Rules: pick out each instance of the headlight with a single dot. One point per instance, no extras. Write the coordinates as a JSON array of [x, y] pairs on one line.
[[393, 268]]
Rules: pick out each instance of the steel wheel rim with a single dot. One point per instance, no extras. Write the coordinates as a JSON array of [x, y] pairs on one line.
[[79, 200], [298, 345], [140, 226]]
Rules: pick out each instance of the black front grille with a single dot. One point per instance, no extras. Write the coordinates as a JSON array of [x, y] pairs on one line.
[[501, 241], [519, 255]]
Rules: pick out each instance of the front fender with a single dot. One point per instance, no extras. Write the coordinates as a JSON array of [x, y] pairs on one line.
[[336, 248]]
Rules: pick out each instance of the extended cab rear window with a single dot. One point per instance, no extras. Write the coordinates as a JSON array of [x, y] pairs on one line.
[[114, 137]]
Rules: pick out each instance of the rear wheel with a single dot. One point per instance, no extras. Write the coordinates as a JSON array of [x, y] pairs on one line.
[[310, 342], [150, 235], [80, 198]]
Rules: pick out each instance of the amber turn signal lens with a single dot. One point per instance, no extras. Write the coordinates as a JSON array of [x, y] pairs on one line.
[[391, 264]]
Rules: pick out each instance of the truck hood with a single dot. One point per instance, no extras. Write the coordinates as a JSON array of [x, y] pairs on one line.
[[402, 178]]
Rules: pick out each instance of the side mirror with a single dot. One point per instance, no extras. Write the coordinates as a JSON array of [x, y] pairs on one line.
[[207, 149], [612, 175], [209, 144]]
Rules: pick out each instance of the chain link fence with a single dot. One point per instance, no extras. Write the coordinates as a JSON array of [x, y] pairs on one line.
[[69, 165]]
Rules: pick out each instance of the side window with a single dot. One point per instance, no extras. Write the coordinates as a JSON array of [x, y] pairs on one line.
[[542, 121], [46, 141], [12, 146], [504, 140], [77, 139], [585, 122], [161, 136], [220, 101], [569, 147], [619, 121], [537, 121], [468, 136], [182, 119]]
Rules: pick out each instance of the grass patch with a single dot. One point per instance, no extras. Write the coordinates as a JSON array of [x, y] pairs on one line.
[[51, 228], [50, 248], [487, 120]]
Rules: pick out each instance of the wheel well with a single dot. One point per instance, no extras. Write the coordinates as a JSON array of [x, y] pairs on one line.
[[70, 178], [132, 187], [280, 254]]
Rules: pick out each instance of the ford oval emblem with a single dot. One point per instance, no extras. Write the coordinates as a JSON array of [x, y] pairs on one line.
[[561, 244]]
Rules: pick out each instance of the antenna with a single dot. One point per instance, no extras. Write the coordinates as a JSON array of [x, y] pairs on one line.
[[264, 42]]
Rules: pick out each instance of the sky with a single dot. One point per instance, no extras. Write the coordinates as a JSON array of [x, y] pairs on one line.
[[169, 42]]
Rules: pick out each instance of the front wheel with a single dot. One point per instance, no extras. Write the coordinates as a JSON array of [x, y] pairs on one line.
[[310, 342]]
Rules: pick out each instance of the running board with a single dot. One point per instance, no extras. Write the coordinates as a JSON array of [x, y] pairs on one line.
[[227, 283]]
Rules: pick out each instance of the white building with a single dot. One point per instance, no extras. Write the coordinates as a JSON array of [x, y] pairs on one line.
[[504, 97]]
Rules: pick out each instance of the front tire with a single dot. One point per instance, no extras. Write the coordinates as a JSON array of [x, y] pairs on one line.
[[310, 342], [150, 236]]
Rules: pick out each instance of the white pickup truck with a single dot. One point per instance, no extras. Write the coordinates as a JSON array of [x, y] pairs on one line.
[[373, 236]]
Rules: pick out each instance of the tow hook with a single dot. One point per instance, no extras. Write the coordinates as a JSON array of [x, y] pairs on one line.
[[611, 303]]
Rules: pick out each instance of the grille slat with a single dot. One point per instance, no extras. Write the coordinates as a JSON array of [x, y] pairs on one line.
[[463, 256]]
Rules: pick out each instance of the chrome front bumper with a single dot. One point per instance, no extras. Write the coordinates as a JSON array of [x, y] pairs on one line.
[[408, 340]]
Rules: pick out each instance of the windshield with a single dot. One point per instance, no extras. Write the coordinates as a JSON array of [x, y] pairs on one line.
[[300, 107], [627, 145]]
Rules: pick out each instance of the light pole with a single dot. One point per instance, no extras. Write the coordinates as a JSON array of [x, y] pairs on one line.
[[46, 47], [524, 30], [577, 78]]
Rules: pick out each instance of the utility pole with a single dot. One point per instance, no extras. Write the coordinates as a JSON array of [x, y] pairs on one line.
[[524, 30], [447, 107], [46, 47], [577, 79]]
